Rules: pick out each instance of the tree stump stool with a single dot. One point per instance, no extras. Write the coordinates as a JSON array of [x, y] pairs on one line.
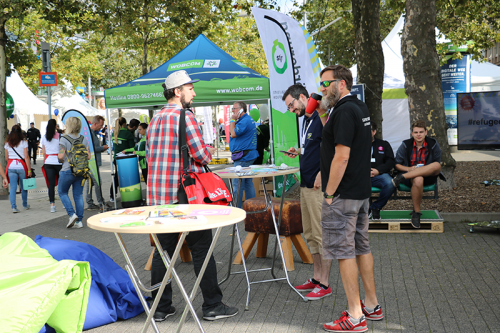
[[185, 253], [260, 225]]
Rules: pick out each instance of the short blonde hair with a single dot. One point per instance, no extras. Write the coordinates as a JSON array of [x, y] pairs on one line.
[[73, 125]]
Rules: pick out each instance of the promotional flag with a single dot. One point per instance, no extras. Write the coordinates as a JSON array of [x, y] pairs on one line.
[[291, 58], [85, 131], [227, 122]]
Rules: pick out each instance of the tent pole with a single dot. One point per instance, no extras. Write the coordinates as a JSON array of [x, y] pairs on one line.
[[111, 155], [271, 144]]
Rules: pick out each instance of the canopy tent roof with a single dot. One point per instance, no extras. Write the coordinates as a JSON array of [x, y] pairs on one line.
[[223, 80], [25, 102], [65, 98]]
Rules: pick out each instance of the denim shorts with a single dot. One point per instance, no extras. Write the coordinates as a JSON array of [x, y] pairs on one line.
[[345, 228]]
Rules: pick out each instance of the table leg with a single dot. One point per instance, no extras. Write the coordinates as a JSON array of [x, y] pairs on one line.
[[200, 276], [170, 270], [134, 281]]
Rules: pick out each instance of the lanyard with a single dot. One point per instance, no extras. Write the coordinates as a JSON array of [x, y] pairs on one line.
[[304, 133]]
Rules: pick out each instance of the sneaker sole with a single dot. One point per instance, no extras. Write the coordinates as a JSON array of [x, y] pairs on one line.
[[309, 289], [71, 223], [341, 331], [374, 318], [316, 298], [163, 319], [219, 317]]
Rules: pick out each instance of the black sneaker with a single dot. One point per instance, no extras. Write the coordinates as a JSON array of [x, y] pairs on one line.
[[376, 214], [398, 180], [220, 311], [415, 219], [161, 316], [93, 207]]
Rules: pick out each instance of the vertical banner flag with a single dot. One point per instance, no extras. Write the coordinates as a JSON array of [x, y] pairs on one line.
[[85, 131], [291, 58], [455, 78], [227, 122]]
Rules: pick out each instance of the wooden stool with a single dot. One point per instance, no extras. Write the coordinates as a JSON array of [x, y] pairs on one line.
[[260, 225], [185, 254]]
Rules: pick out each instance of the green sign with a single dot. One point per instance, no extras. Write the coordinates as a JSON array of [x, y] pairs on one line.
[[10, 105], [195, 63], [206, 92], [451, 48]]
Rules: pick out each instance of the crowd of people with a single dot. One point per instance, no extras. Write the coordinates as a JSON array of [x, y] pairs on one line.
[[340, 160]]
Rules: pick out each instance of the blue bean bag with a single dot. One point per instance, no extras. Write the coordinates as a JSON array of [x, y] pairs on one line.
[[112, 294]]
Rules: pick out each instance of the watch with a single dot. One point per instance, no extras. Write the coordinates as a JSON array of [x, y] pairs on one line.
[[328, 196]]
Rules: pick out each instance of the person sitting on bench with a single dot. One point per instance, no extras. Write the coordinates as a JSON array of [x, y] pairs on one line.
[[382, 162], [419, 161]]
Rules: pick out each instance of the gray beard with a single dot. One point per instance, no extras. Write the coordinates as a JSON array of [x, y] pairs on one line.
[[329, 101]]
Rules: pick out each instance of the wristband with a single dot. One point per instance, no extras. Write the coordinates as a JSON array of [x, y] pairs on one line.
[[323, 115], [233, 121], [29, 171]]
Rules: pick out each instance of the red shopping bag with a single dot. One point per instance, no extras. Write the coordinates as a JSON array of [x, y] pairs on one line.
[[205, 188]]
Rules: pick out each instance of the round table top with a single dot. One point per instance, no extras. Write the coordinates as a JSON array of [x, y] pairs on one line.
[[173, 225], [257, 172]]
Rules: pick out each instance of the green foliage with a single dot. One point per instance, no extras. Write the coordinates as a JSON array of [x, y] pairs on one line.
[[335, 44]]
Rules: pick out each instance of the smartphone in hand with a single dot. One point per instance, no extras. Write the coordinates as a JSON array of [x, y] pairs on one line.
[[287, 152]]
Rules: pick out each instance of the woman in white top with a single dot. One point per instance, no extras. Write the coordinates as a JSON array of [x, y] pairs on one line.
[[51, 166], [18, 165]]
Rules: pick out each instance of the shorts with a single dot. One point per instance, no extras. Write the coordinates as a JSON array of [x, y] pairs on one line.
[[345, 228], [430, 180]]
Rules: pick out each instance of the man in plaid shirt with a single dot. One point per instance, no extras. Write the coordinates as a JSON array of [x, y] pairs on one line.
[[419, 161], [164, 173]]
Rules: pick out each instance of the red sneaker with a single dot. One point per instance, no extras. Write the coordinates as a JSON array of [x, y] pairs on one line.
[[307, 286], [318, 293], [377, 313], [344, 324]]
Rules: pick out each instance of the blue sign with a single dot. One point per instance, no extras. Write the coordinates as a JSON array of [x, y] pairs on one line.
[[455, 78], [48, 79], [358, 90]]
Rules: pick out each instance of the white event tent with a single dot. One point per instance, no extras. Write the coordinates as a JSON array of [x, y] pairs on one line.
[[395, 113]]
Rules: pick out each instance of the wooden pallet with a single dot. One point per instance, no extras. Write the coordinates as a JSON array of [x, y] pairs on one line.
[[405, 227]]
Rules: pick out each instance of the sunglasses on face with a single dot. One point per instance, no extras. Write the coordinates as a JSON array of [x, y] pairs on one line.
[[326, 84]]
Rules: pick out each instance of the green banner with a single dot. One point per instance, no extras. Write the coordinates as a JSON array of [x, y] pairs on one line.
[[285, 135], [206, 92]]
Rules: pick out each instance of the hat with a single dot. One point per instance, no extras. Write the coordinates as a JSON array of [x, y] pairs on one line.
[[177, 79]]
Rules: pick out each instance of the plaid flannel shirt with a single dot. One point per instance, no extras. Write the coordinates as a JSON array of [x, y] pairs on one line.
[[162, 153], [418, 156]]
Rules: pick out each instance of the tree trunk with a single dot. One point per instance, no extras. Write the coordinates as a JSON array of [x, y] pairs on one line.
[[423, 78], [3, 97], [369, 55]]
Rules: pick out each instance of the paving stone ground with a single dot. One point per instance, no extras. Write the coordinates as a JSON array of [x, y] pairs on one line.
[[445, 282]]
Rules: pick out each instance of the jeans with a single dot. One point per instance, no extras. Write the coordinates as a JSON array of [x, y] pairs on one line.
[[66, 180], [51, 171], [198, 242], [384, 183], [247, 185], [98, 193], [14, 176]]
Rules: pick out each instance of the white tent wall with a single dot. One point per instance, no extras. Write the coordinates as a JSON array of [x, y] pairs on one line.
[[395, 112]]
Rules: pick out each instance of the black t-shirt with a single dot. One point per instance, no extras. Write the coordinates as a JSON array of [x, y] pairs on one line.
[[348, 125]]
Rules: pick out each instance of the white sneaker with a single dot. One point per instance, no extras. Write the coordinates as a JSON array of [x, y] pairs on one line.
[[111, 200], [78, 225], [52, 209], [72, 220]]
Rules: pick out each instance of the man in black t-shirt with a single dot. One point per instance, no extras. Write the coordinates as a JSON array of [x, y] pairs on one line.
[[345, 178]]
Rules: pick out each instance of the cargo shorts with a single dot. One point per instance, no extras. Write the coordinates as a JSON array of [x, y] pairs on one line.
[[345, 228]]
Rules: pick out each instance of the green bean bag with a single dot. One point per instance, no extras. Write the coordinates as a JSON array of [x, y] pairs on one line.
[[36, 289]]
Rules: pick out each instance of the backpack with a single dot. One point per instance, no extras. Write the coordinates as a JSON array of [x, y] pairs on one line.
[[78, 158]]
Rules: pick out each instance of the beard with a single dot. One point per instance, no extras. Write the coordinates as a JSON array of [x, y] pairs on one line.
[[330, 99], [186, 104], [301, 108]]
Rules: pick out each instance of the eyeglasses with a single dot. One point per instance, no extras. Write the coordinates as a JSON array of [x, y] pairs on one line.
[[290, 106], [326, 84]]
